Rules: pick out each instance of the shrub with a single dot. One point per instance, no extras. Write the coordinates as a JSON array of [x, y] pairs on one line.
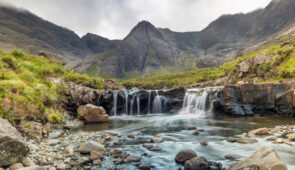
[[10, 61]]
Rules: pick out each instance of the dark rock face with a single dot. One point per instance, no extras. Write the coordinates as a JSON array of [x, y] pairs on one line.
[[247, 99], [76, 96], [197, 163], [12, 147]]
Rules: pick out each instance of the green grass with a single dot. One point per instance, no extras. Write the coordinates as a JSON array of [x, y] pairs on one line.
[[281, 67], [26, 93]]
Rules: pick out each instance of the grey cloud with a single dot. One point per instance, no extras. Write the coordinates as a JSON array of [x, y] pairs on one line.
[[115, 18]]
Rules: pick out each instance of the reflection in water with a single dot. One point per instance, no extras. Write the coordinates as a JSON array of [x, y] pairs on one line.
[[174, 129]]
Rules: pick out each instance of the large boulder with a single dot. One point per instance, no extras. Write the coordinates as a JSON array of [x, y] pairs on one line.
[[197, 163], [260, 131], [12, 146], [266, 159], [92, 114], [185, 155]]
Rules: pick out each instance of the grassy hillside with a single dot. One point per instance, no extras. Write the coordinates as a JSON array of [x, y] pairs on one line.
[[25, 91], [280, 67]]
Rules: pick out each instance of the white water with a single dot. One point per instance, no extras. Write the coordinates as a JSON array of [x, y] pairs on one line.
[[126, 102], [131, 105], [115, 97], [138, 104], [157, 103], [198, 101]]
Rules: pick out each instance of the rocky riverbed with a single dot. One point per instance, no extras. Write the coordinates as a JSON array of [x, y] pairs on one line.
[[176, 142]]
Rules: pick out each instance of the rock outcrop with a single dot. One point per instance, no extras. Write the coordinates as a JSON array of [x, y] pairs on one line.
[[247, 99], [264, 159], [92, 114], [12, 146]]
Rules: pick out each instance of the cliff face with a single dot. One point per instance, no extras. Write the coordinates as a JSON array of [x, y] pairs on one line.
[[149, 48]]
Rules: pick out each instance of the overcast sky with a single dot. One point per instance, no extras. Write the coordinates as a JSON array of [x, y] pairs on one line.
[[115, 18]]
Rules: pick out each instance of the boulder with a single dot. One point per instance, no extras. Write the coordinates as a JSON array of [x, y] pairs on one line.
[[95, 155], [157, 139], [35, 167], [260, 131], [87, 147], [12, 146], [132, 159], [291, 137], [92, 114], [246, 140], [35, 131], [197, 163], [185, 155], [82, 160], [266, 159], [16, 166]]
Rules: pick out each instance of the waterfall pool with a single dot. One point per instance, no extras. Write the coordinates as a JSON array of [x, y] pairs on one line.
[[177, 137]]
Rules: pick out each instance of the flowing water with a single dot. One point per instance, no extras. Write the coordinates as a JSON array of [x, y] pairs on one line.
[[195, 112]]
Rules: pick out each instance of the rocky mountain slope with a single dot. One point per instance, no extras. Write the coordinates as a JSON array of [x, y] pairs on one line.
[[148, 50]]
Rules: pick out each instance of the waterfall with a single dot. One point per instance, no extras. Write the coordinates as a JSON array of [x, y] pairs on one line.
[[149, 102], [115, 97], [198, 101], [126, 102], [98, 102], [131, 105], [138, 104], [157, 103]]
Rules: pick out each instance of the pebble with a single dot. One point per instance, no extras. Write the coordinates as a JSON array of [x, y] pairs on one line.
[[82, 160]]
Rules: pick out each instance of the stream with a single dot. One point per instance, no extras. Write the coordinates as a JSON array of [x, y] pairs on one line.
[[174, 129]]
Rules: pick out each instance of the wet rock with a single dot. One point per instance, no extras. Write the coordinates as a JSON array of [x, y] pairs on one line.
[[231, 139], [196, 133], [197, 163], [82, 160], [35, 131], [157, 139], [12, 146], [55, 134], [204, 142], [276, 129], [265, 158], [95, 155], [286, 141], [185, 155], [291, 137], [76, 124], [92, 114], [118, 161], [27, 162], [260, 131], [232, 156], [145, 167], [107, 138], [87, 147], [112, 133], [279, 140], [97, 162], [16, 166], [133, 135], [246, 140], [154, 148], [271, 138], [132, 159], [191, 127], [116, 152]]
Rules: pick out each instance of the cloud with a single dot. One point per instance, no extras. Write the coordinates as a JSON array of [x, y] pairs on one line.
[[115, 18]]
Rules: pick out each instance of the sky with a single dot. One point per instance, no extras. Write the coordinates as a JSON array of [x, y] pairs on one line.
[[114, 19]]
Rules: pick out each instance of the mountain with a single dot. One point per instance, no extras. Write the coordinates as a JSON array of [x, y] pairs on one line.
[[98, 44], [23, 30], [148, 50]]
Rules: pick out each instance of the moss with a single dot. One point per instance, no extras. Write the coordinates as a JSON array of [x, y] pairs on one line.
[[54, 118]]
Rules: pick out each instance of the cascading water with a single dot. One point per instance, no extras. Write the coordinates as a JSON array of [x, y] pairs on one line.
[[98, 102], [131, 105], [198, 101], [157, 103], [138, 104], [115, 99], [126, 102]]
